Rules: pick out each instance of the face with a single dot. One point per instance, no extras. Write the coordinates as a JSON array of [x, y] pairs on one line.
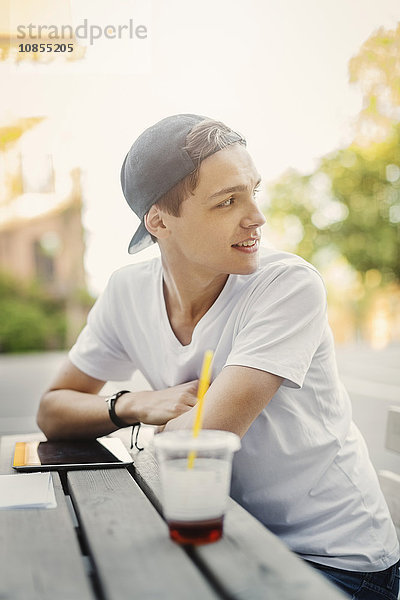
[[218, 230]]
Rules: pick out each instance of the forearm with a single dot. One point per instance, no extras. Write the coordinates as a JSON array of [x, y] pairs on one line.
[[213, 418], [69, 414], [184, 421], [235, 398]]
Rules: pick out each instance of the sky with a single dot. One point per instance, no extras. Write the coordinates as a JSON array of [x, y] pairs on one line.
[[275, 71]]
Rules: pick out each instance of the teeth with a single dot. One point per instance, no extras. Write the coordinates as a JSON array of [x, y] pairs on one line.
[[248, 243]]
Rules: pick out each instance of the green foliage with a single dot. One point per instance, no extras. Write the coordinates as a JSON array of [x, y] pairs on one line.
[[22, 327], [84, 298], [347, 212], [367, 183], [30, 319], [351, 204]]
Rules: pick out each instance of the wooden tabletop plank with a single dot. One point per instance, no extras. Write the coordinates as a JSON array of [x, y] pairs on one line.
[[249, 562], [129, 542], [40, 558]]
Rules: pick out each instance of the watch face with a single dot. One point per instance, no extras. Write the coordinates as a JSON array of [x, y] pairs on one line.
[[118, 394]]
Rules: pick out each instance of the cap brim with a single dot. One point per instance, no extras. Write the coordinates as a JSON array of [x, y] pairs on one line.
[[140, 241]]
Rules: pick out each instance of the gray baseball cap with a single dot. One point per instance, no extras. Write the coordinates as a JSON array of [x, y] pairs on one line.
[[156, 162]]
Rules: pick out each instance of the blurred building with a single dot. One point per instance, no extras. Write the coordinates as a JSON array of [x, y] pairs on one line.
[[41, 233]]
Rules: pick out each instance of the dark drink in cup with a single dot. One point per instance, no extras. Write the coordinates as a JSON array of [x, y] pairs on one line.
[[195, 476], [196, 532]]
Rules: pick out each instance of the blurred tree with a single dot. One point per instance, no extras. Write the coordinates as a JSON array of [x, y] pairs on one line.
[[362, 213], [347, 212], [376, 69], [350, 205], [30, 318]]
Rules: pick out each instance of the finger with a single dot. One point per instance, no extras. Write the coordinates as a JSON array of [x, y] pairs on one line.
[[193, 384], [186, 408], [189, 400]]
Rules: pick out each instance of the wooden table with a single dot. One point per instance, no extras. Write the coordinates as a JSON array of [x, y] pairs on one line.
[[106, 540]]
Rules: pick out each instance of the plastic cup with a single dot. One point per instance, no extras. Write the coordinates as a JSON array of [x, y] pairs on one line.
[[195, 493]]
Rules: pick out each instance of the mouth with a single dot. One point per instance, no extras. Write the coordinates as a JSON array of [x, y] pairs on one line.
[[249, 246]]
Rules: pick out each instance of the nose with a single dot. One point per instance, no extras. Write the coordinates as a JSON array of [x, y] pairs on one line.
[[253, 216]]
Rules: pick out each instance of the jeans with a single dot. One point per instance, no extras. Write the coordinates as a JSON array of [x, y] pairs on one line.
[[381, 585]]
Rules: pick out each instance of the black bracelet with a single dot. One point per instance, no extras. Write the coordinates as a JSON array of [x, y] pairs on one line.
[[111, 401], [138, 425]]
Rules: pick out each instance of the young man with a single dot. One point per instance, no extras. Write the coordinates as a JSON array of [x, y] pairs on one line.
[[303, 469]]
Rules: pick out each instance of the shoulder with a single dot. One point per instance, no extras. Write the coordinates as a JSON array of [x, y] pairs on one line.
[[283, 284], [129, 288], [278, 261], [138, 276], [285, 270]]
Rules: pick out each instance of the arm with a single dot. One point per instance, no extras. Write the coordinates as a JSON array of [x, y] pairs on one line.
[[72, 408], [235, 398]]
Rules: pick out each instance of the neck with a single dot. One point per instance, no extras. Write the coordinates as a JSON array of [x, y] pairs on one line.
[[189, 295]]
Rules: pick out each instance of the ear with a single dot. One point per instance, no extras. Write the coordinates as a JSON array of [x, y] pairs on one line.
[[154, 223]]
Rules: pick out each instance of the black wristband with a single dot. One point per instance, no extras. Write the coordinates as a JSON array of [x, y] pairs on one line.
[[111, 401]]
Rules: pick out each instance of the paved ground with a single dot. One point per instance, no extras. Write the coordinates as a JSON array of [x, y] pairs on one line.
[[371, 377], [24, 377]]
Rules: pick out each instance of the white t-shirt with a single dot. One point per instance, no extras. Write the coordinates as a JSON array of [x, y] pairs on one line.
[[303, 469]]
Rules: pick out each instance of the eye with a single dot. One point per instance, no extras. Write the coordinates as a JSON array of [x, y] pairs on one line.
[[227, 202], [256, 190]]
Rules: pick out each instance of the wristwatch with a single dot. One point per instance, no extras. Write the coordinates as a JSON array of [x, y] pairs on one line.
[[111, 401]]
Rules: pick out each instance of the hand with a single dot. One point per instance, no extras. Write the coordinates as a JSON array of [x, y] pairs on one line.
[[159, 407]]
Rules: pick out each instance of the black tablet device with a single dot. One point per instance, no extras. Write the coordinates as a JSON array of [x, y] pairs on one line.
[[87, 454]]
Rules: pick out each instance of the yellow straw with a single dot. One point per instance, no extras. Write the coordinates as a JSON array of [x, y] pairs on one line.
[[203, 387]]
